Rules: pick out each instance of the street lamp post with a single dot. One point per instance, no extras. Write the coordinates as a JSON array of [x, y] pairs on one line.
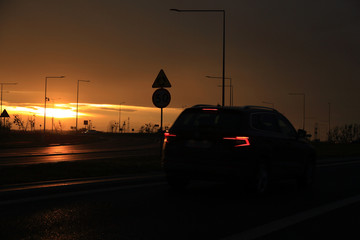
[[52, 122], [47, 99], [329, 122], [230, 87], [2, 86], [223, 43], [120, 115], [77, 102], [301, 94]]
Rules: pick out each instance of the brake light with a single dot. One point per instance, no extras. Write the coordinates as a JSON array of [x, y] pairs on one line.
[[209, 109], [239, 141], [167, 136]]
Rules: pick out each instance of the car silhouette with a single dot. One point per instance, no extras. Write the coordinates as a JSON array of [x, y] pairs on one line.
[[249, 144]]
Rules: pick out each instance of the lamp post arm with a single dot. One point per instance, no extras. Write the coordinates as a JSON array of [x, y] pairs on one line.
[[223, 42]]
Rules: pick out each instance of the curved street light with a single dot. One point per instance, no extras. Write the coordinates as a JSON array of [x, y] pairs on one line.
[[120, 115], [329, 122], [301, 94], [47, 99], [230, 86], [223, 43], [77, 102], [2, 86]]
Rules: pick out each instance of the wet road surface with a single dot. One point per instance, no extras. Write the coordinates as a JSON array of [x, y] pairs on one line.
[[103, 150], [154, 211]]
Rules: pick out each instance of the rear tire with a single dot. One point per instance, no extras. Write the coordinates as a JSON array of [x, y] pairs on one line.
[[307, 178], [260, 181], [177, 182]]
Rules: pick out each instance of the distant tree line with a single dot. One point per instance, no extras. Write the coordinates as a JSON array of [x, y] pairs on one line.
[[348, 133], [149, 128]]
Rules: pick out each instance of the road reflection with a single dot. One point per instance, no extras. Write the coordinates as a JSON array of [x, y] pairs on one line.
[[76, 153], [71, 149]]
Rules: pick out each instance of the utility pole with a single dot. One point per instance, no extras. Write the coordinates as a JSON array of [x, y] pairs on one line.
[[301, 94], [77, 101], [120, 116], [47, 99]]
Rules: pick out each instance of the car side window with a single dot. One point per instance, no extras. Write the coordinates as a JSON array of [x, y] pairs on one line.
[[217, 120], [286, 128], [265, 121]]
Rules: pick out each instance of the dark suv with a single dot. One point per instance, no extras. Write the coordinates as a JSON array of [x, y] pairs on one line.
[[252, 144]]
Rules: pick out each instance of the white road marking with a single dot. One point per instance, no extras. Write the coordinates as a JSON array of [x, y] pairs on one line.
[[283, 223], [77, 193]]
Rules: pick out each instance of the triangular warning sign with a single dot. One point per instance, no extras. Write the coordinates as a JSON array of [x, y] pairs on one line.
[[4, 114], [161, 81]]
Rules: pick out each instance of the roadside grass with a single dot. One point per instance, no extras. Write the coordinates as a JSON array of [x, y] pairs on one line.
[[332, 150]]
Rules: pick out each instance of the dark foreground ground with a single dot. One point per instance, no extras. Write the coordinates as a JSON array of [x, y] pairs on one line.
[[149, 209], [109, 160], [204, 211]]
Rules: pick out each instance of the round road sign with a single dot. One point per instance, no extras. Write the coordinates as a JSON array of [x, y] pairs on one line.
[[161, 98]]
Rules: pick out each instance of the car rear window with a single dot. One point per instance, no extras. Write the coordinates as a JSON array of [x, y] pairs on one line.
[[212, 119]]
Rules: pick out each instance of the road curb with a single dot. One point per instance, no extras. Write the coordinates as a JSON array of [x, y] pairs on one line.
[[10, 191], [325, 162]]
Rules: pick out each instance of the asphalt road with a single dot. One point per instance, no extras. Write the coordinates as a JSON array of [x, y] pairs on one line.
[[148, 209], [61, 153]]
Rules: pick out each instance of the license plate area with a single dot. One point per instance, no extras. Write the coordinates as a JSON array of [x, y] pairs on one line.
[[200, 144]]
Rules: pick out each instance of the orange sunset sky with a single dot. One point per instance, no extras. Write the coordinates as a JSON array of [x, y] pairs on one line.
[[273, 48]]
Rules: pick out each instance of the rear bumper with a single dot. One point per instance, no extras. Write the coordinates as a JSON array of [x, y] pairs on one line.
[[208, 168]]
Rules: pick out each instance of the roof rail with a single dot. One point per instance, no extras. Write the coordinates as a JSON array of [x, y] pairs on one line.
[[259, 107], [203, 105]]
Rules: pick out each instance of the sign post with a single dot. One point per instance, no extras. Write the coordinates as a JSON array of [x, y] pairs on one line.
[[4, 115], [161, 97]]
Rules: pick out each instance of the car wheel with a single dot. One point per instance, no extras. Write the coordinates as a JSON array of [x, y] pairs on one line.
[[259, 184], [177, 182], [307, 178]]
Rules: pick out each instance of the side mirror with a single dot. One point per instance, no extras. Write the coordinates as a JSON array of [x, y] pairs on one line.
[[302, 134]]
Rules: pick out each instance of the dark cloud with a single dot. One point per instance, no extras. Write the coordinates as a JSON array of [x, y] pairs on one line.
[[272, 48]]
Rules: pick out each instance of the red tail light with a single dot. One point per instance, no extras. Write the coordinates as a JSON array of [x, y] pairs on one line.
[[239, 141], [167, 136]]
